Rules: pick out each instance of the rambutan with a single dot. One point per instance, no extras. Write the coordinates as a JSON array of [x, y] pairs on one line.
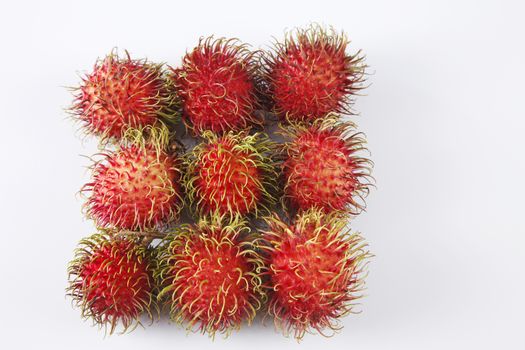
[[313, 268], [217, 85], [310, 74], [124, 97], [134, 188], [232, 174], [323, 167], [111, 280], [209, 272]]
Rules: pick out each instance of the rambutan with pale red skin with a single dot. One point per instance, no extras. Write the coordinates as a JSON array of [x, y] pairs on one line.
[[111, 280], [310, 74], [218, 87], [123, 97], [313, 269], [323, 166], [209, 274], [233, 174], [134, 188]]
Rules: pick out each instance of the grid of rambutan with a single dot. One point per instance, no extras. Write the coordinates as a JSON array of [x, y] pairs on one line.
[[241, 207]]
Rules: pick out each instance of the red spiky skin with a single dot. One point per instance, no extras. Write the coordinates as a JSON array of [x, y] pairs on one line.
[[323, 169], [122, 93], [135, 188], [310, 75], [217, 86], [313, 269], [112, 280], [209, 274], [229, 175], [220, 162]]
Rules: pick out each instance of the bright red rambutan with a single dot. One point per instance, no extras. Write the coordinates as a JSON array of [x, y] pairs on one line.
[[210, 276], [233, 174], [217, 86], [310, 74], [123, 97], [111, 280], [323, 168], [314, 269], [134, 188]]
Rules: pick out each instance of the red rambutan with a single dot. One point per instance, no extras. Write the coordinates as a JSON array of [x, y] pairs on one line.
[[125, 98], [323, 168], [310, 74], [231, 174], [210, 276], [111, 280], [314, 269], [217, 85], [134, 188]]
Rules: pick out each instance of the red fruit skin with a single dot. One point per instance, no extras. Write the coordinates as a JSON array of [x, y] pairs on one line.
[[111, 280], [323, 168], [209, 277], [310, 75], [230, 175], [241, 192], [217, 86], [120, 94], [313, 269], [135, 188]]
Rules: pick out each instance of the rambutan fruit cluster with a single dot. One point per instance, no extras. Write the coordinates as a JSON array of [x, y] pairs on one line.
[[224, 187]]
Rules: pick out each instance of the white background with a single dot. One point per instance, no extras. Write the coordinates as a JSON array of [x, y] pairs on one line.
[[444, 118]]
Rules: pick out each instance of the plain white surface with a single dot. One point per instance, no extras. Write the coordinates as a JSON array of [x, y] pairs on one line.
[[445, 123]]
